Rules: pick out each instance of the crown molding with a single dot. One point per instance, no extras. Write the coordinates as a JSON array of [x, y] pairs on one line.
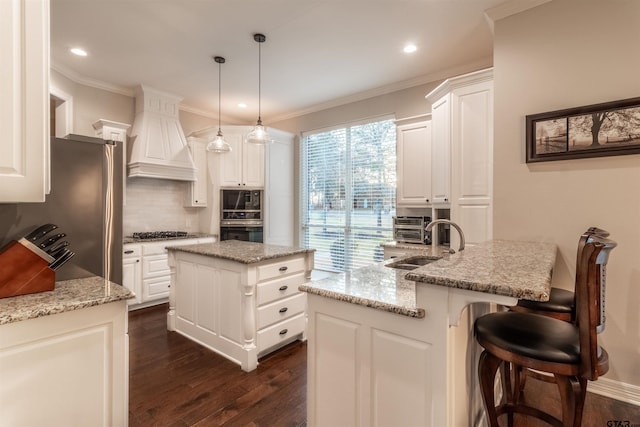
[[384, 90], [360, 96]]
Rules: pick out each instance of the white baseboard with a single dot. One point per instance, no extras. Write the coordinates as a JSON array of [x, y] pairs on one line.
[[615, 390]]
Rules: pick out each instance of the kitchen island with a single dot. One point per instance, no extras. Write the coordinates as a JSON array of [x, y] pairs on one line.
[[391, 347], [64, 355], [239, 299]]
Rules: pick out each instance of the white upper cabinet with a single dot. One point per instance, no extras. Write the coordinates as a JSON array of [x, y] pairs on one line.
[[196, 195], [462, 123], [414, 164], [244, 165], [24, 104], [441, 150]]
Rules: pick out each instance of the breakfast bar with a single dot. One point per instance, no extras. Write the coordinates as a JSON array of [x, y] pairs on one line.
[[391, 347]]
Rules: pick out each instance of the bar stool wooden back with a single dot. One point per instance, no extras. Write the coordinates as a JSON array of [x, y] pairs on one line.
[[561, 304], [515, 341]]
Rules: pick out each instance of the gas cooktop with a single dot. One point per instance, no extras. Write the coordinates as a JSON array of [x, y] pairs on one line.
[[149, 235]]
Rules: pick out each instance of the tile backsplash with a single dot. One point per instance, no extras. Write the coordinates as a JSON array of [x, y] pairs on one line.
[[157, 205]]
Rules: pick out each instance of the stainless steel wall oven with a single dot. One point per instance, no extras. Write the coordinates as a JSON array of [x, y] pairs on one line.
[[241, 215]]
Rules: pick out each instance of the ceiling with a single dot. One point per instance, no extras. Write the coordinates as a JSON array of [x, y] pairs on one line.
[[318, 53]]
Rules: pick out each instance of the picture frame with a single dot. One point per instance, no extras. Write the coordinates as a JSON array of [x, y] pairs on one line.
[[606, 129]]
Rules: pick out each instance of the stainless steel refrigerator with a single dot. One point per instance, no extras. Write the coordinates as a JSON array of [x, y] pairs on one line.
[[85, 203]]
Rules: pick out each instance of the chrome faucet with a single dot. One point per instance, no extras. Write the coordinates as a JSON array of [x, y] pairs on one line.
[[456, 226]]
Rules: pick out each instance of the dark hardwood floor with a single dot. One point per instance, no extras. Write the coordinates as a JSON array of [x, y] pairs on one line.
[[176, 382]]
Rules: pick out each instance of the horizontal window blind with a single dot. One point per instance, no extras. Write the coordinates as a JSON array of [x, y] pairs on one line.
[[348, 181]]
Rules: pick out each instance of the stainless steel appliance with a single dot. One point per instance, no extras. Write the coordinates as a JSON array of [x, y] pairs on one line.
[[410, 229], [241, 216], [85, 201]]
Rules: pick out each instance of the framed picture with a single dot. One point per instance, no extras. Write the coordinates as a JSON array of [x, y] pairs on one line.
[[608, 129]]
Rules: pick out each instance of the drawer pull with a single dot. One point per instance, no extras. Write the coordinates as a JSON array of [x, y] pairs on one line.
[[284, 288], [285, 268], [283, 310], [284, 332], [128, 252]]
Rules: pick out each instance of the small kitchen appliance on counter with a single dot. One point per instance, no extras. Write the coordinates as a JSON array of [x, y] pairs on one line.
[[411, 229]]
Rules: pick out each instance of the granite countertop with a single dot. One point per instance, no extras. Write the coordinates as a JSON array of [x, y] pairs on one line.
[[502, 267], [129, 239], [67, 295], [417, 248], [513, 268], [240, 251], [375, 286]]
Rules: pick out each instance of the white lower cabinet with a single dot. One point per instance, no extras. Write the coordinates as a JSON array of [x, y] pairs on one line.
[[145, 270], [132, 271], [241, 311], [66, 369]]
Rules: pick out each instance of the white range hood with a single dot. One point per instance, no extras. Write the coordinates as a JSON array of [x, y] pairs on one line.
[[159, 146]]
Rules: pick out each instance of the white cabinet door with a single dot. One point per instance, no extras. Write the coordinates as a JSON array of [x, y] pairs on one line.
[[196, 195], [472, 161], [244, 165], [132, 278], [279, 200], [441, 147], [230, 164], [414, 164], [24, 104], [253, 165]]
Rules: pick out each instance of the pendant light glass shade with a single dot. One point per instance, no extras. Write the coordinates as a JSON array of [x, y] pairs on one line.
[[218, 144], [259, 133]]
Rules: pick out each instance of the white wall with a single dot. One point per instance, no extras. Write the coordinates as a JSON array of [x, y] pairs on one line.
[[565, 54]]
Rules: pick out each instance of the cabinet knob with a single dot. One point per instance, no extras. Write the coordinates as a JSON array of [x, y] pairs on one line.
[[283, 310], [284, 288], [446, 200], [427, 200], [137, 260], [285, 268], [284, 331]]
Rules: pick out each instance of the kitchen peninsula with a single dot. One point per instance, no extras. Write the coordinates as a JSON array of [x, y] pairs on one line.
[[391, 347], [239, 299], [64, 355]]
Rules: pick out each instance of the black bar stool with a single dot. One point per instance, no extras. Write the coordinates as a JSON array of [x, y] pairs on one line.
[[515, 341]]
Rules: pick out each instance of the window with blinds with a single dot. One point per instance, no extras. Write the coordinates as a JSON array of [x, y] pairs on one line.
[[348, 186]]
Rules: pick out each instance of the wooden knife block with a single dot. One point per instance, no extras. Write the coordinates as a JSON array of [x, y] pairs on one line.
[[23, 272]]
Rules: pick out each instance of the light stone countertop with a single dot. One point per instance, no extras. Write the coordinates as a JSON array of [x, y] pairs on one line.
[[240, 251], [502, 267], [513, 268], [130, 239], [377, 286], [68, 295]]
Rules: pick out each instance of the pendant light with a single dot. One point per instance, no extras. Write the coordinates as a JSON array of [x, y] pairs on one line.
[[259, 134], [218, 144]]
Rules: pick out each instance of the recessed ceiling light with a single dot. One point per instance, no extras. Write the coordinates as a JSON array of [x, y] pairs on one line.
[[78, 51], [242, 105], [410, 48]]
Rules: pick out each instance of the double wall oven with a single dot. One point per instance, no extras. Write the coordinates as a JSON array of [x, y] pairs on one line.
[[241, 215]]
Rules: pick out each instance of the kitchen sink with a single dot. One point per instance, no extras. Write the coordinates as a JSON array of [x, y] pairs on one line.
[[411, 263]]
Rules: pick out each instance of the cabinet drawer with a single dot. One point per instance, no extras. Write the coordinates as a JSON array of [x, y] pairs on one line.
[[155, 288], [131, 251], [279, 288], [155, 266], [274, 335], [277, 269], [281, 310]]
